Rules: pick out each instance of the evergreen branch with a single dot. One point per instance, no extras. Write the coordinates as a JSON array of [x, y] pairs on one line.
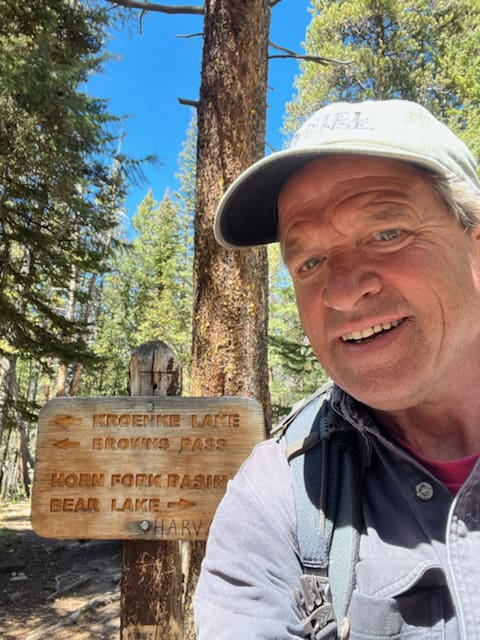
[[288, 53], [161, 8]]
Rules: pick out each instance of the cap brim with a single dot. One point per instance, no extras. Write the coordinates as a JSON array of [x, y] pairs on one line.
[[247, 214]]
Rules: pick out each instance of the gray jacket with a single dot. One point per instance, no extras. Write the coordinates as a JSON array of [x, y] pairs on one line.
[[418, 574]]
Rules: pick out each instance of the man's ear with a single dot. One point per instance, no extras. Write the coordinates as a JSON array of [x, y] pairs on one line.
[[475, 234], [475, 237]]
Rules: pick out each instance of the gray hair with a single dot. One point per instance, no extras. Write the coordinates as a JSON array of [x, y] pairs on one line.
[[461, 197]]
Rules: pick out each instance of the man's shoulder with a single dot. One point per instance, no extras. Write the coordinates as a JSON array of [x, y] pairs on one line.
[[303, 411], [266, 463]]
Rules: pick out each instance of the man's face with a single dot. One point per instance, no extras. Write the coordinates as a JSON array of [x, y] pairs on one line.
[[387, 283]]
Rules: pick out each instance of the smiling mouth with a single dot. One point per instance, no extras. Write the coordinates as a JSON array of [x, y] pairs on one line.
[[357, 337]]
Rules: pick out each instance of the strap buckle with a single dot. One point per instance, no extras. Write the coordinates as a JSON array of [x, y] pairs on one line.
[[314, 601]]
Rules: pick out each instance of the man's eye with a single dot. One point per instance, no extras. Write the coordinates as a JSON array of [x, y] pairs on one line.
[[387, 234], [310, 264]]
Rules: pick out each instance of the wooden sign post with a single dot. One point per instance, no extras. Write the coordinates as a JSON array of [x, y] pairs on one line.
[[151, 469], [151, 589]]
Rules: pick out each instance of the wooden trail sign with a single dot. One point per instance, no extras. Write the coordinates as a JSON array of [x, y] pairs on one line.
[[141, 467]]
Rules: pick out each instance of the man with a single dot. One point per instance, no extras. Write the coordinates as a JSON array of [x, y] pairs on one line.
[[377, 209]]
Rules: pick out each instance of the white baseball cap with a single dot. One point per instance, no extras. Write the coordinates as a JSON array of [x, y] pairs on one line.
[[396, 129]]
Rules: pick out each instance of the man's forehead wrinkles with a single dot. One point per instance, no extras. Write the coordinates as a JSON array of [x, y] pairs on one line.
[[373, 192], [363, 207], [306, 236], [323, 194]]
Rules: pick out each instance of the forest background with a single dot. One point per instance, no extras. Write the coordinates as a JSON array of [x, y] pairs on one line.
[[83, 279]]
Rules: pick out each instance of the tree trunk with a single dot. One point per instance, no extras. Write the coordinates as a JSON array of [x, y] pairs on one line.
[[62, 373], [230, 308], [87, 310], [25, 459], [5, 465], [75, 381], [9, 399], [7, 366], [7, 370], [230, 300]]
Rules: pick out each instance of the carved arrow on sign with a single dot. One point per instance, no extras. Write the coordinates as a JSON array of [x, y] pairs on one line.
[[181, 504], [66, 421], [66, 444]]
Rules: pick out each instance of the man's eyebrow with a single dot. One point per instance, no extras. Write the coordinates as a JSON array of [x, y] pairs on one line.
[[386, 212], [294, 247]]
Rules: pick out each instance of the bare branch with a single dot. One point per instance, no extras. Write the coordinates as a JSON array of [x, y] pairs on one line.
[[288, 53], [280, 56], [360, 84], [140, 21], [188, 103], [162, 8], [190, 35], [274, 2]]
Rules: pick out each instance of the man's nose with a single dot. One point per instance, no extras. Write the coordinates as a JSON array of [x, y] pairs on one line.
[[350, 277]]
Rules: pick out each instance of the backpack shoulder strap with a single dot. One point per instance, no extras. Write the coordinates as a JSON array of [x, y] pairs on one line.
[[322, 450]]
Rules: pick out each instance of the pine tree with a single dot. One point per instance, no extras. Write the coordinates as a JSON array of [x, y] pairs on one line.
[[148, 294], [159, 253], [294, 371], [53, 180], [114, 332], [421, 50], [58, 201], [185, 197]]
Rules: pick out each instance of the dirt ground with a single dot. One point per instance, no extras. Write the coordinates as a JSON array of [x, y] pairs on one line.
[[56, 589]]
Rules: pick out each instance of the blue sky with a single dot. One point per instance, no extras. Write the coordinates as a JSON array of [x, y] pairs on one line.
[[154, 67]]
